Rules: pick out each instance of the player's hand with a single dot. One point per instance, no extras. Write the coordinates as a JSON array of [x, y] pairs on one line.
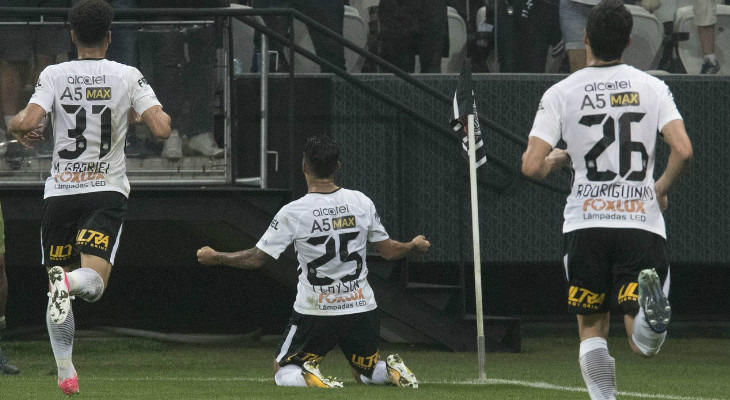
[[558, 158], [133, 117], [421, 244], [30, 138], [661, 196], [206, 256]]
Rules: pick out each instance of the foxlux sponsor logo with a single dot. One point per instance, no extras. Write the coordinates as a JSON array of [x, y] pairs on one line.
[[86, 80], [629, 206], [601, 86]]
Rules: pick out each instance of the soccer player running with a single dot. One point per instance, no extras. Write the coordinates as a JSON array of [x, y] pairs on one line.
[[330, 227], [86, 194], [609, 115]]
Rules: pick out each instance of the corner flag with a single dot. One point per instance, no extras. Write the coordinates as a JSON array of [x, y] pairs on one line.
[[464, 104], [466, 127]]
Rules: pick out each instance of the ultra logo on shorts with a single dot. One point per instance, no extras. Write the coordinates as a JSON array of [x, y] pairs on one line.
[[93, 239], [628, 292], [584, 298], [365, 363], [60, 253]]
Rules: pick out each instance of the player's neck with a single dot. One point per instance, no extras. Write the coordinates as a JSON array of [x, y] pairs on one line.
[[594, 62], [316, 185], [93, 53]]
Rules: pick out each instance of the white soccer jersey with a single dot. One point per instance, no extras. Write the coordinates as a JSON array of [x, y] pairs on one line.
[[330, 232], [90, 101], [609, 117]]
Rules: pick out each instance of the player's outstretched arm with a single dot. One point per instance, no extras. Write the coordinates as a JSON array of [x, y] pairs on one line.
[[540, 159], [158, 121], [680, 156], [26, 126], [393, 250], [246, 259]]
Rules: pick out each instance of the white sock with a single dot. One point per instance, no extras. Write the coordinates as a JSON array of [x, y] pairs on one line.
[[598, 368], [85, 283], [289, 375], [648, 341], [712, 58], [62, 342], [380, 375]]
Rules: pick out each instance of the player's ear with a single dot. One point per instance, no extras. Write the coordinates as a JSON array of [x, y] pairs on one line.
[[629, 42], [339, 166], [73, 36], [109, 38]]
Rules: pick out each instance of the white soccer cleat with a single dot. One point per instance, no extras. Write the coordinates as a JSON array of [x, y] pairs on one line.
[[313, 377], [399, 374], [60, 297], [656, 307]]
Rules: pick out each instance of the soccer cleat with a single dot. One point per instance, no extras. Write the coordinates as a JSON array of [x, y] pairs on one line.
[[205, 144], [69, 386], [398, 373], [652, 299], [710, 68], [5, 367], [60, 297], [314, 378]]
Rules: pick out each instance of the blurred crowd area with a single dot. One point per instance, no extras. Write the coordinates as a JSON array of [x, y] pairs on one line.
[[181, 57]]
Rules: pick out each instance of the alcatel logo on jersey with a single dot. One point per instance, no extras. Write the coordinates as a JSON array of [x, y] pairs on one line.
[[336, 210], [599, 86], [98, 93], [625, 99], [86, 80]]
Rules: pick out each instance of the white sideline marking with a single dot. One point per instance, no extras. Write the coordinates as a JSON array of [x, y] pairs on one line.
[[530, 384]]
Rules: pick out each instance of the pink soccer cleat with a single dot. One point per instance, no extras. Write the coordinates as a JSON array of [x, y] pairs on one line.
[[69, 386]]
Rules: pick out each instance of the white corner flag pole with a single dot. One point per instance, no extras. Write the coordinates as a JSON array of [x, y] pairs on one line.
[[475, 244]]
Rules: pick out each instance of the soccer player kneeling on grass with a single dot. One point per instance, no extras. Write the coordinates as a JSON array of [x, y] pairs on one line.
[[86, 194], [609, 114], [330, 227]]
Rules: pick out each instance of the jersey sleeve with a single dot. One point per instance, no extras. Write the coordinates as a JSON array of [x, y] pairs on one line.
[[141, 93], [43, 94], [547, 119], [376, 230], [667, 108], [278, 236]]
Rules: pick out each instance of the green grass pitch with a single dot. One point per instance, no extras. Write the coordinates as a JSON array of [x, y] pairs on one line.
[[130, 368]]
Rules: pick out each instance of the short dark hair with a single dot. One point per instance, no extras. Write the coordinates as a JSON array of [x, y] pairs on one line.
[[91, 20], [322, 154], [609, 29]]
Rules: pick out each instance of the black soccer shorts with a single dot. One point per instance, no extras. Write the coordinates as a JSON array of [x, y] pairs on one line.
[[88, 223], [602, 266], [311, 337]]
